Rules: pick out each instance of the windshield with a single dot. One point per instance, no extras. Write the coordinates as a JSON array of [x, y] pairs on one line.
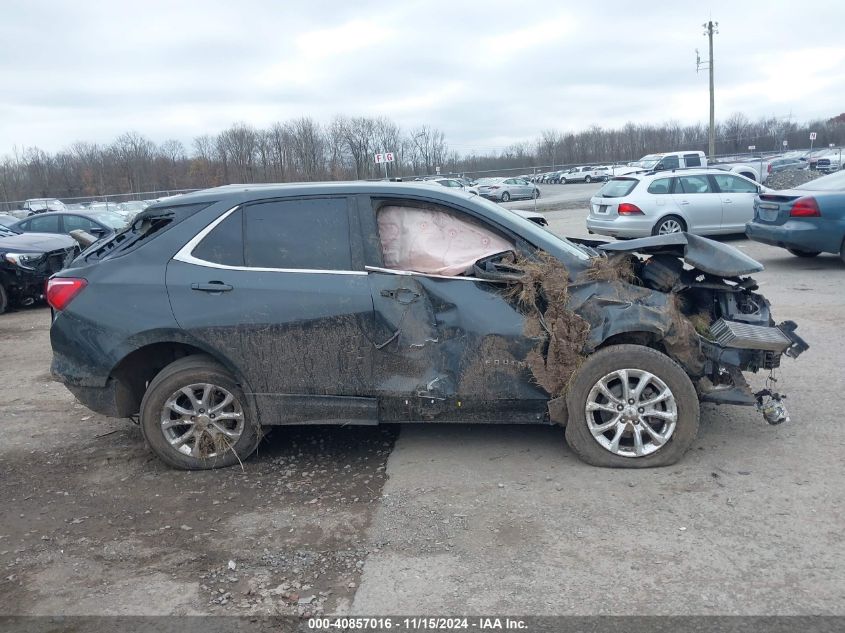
[[647, 162], [487, 181], [5, 231], [832, 182], [617, 187]]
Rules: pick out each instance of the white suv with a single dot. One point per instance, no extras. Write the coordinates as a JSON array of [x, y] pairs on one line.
[[700, 201]]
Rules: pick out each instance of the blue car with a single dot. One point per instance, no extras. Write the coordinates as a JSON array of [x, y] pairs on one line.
[[806, 220]]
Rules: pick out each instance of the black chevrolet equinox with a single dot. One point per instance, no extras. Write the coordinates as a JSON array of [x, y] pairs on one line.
[[220, 312]]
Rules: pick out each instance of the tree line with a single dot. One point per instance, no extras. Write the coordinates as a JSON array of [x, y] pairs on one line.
[[303, 149]]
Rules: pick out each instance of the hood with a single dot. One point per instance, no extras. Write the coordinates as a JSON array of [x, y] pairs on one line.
[[36, 242], [708, 256]]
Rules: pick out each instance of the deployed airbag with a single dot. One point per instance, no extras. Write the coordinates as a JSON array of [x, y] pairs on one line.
[[431, 241]]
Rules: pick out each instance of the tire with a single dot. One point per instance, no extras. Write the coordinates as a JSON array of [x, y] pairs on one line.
[[665, 223], [505, 196], [563, 181], [4, 299], [662, 375], [212, 449], [536, 194], [588, 180], [800, 253], [842, 250]]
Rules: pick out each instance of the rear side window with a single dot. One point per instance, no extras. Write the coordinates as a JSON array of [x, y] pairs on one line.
[[225, 244], [694, 184], [661, 185], [692, 160], [312, 234], [617, 187]]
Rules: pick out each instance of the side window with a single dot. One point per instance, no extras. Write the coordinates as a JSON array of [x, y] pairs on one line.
[[311, 233], [732, 184], [670, 162], [695, 184], [431, 239], [74, 222], [225, 243], [692, 160], [44, 224], [661, 185]]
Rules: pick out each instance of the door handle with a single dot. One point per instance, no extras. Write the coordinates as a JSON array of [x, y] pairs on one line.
[[402, 295], [684, 201], [727, 201], [212, 286]]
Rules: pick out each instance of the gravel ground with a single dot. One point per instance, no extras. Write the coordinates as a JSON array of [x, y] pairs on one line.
[[93, 524], [792, 178]]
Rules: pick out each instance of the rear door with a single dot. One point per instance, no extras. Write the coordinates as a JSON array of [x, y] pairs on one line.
[[700, 204], [737, 195], [276, 287]]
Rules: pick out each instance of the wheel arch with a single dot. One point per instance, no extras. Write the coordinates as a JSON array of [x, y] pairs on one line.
[[139, 366]]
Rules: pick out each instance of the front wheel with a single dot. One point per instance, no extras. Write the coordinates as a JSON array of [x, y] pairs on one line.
[[194, 416], [799, 253], [536, 194], [631, 406], [4, 299], [505, 196], [588, 180]]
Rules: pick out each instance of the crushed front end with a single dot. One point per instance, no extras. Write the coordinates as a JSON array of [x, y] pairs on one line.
[[734, 325]]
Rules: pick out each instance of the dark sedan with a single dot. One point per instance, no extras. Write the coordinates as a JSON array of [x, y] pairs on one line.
[[806, 220], [99, 225]]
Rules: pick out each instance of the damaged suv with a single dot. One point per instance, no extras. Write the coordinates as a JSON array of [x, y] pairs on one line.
[[242, 307]]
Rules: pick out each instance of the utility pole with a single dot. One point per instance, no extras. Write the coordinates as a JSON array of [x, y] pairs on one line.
[[710, 29]]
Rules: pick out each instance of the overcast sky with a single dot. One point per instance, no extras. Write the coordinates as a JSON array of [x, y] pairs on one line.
[[488, 73]]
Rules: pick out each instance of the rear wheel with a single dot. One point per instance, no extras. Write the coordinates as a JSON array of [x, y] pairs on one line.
[[631, 406], [505, 196], [800, 253], [4, 299], [536, 193], [194, 416], [588, 179], [669, 224], [842, 251]]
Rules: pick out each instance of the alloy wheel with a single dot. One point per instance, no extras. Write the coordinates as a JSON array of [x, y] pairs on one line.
[[202, 420], [669, 226], [631, 412]]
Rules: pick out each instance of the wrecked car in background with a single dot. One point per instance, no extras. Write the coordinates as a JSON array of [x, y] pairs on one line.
[[26, 261], [363, 303]]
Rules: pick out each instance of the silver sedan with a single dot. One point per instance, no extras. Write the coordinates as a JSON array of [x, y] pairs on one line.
[[504, 189]]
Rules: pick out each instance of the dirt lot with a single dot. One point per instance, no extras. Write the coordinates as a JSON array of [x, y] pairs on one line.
[[458, 519], [92, 523]]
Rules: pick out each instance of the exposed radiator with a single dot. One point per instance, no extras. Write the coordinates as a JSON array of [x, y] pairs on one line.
[[745, 336]]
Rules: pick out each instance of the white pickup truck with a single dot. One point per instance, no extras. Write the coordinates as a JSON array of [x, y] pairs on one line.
[[584, 174]]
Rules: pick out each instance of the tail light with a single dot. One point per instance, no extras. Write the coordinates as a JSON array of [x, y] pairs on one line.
[[626, 208], [805, 208], [62, 290], [769, 168]]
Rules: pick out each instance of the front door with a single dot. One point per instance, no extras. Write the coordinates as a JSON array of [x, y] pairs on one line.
[[701, 205], [272, 288], [737, 196], [449, 347]]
